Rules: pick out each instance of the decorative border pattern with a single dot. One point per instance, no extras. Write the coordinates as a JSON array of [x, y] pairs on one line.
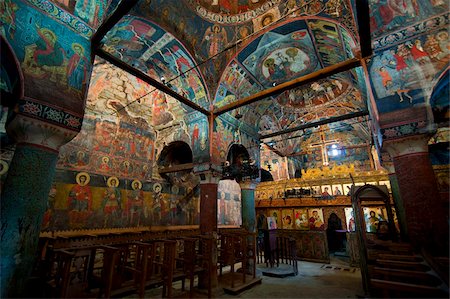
[[393, 38], [64, 17], [403, 130], [232, 19], [50, 114]]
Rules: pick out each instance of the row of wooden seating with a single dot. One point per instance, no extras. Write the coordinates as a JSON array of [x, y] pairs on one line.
[[234, 247], [114, 271]]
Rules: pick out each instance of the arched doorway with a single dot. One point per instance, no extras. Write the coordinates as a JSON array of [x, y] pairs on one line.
[[182, 191]]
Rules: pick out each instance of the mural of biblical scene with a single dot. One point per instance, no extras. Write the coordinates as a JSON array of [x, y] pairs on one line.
[[106, 202], [327, 41], [276, 215], [198, 131], [158, 54], [91, 12], [52, 56], [229, 203], [316, 219], [273, 163], [301, 219], [393, 14], [398, 73], [372, 216], [350, 219], [287, 218], [236, 83], [280, 54], [228, 131]]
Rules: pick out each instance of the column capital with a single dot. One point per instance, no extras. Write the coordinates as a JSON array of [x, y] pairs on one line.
[[208, 173], [25, 129], [248, 185], [407, 145]]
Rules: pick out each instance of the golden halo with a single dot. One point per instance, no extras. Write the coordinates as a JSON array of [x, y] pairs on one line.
[[157, 185], [85, 174], [78, 45], [45, 30], [108, 182], [139, 185]]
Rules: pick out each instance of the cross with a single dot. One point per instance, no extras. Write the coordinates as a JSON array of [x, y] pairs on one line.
[[323, 146]]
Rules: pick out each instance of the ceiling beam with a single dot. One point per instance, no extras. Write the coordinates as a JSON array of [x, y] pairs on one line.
[[363, 19], [275, 150], [144, 77], [122, 9], [176, 168], [317, 123], [320, 74]]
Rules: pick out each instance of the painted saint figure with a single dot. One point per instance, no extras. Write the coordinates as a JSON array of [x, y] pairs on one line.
[[111, 203], [79, 201], [77, 68], [135, 204]]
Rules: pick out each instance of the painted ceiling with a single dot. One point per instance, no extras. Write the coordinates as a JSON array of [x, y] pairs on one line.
[[218, 52]]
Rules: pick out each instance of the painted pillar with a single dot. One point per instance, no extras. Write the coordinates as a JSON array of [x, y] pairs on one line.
[[24, 197], [248, 215], [209, 182], [426, 217], [248, 205], [398, 203]]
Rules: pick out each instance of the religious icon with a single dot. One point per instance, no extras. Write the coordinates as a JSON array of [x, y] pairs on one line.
[[301, 219], [350, 219], [372, 216], [271, 223], [337, 190], [316, 219], [288, 219], [326, 192]]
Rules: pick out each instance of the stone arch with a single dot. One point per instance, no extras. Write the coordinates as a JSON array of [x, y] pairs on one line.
[[175, 162]]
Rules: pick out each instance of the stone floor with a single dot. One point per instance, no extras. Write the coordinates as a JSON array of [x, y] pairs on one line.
[[315, 280]]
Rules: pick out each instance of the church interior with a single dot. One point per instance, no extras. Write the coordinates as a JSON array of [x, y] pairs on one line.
[[146, 143]]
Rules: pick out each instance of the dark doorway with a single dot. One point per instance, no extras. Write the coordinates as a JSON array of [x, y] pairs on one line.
[[335, 234]]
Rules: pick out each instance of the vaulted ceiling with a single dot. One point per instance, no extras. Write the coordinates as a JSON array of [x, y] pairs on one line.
[[278, 66]]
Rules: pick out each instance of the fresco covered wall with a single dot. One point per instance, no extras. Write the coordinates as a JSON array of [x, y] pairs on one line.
[[229, 203], [107, 176], [228, 131], [409, 59], [53, 48]]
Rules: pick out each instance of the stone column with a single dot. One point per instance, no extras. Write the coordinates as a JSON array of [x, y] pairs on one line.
[[24, 197], [209, 182], [426, 216], [398, 203]]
